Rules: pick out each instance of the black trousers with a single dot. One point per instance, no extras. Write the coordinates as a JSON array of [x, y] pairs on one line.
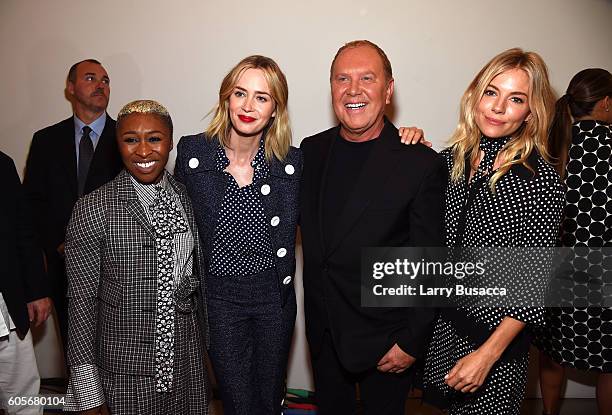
[[335, 387], [59, 286], [250, 336]]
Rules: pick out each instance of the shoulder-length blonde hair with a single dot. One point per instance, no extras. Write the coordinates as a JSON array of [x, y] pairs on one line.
[[532, 134], [278, 137]]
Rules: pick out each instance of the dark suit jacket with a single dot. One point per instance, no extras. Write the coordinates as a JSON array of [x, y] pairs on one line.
[[22, 278], [51, 181], [397, 200], [196, 168], [111, 262]]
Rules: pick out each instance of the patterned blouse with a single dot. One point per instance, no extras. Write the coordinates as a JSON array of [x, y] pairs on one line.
[[241, 242], [524, 211]]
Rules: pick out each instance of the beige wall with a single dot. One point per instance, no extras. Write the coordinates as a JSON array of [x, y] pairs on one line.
[[178, 51]]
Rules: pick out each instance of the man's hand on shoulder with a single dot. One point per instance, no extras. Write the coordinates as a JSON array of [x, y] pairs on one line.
[[413, 135], [395, 360]]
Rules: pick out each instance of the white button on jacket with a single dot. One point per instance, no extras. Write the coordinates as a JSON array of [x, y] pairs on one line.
[[194, 162], [281, 252], [289, 169], [265, 189], [287, 280], [275, 221]]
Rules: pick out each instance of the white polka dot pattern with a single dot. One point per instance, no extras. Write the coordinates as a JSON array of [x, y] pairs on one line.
[[524, 211], [582, 337], [241, 242]]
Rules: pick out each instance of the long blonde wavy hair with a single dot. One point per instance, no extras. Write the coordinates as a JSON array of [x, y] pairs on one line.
[[532, 134], [278, 137]]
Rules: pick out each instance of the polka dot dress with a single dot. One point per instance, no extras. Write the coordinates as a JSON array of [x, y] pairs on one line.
[[524, 211], [241, 242], [582, 337]]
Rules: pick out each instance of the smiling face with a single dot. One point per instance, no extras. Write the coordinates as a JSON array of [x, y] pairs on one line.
[[90, 90], [504, 105], [251, 105], [144, 142], [360, 92]]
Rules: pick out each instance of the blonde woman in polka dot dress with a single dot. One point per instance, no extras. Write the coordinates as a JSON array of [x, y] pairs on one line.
[[243, 177], [501, 193], [582, 337]]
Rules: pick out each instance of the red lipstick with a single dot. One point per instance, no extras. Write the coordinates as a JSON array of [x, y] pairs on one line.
[[246, 118]]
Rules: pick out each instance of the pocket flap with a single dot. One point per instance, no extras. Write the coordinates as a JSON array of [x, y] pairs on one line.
[[110, 292]]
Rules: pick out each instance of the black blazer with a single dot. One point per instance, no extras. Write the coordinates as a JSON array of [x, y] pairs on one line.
[[22, 278], [195, 167], [397, 200], [51, 178]]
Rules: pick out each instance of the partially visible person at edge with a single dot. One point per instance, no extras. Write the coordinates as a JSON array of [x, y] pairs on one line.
[[502, 192], [135, 343], [24, 292], [243, 177], [581, 142], [362, 188]]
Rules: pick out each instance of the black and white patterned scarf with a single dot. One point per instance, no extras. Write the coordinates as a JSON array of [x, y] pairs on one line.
[[490, 147], [167, 220]]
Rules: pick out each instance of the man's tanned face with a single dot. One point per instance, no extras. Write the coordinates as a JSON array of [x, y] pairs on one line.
[[360, 92]]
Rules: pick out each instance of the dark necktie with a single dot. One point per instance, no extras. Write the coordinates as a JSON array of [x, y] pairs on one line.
[[86, 151]]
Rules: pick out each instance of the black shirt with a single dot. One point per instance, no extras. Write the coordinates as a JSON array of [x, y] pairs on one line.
[[345, 164]]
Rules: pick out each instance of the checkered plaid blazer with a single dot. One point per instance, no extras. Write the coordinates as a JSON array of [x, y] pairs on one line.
[[111, 264]]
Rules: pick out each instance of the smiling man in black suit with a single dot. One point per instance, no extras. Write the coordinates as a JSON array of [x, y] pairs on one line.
[[362, 188], [67, 160]]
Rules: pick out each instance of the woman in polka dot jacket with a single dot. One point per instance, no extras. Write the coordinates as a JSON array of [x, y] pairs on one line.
[[243, 178], [501, 193], [582, 337]]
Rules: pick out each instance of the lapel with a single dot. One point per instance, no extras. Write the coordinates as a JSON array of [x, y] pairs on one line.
[[67, 154], [187, 283], [104, 156], [128, 197], [185, 202], [382, 160], [326, 150], [209, 201]]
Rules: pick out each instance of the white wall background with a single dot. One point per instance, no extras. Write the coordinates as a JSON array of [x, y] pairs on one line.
[[178, 51]]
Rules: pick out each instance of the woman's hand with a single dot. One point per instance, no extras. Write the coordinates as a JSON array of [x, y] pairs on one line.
[[413, 135], [470, 372]]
